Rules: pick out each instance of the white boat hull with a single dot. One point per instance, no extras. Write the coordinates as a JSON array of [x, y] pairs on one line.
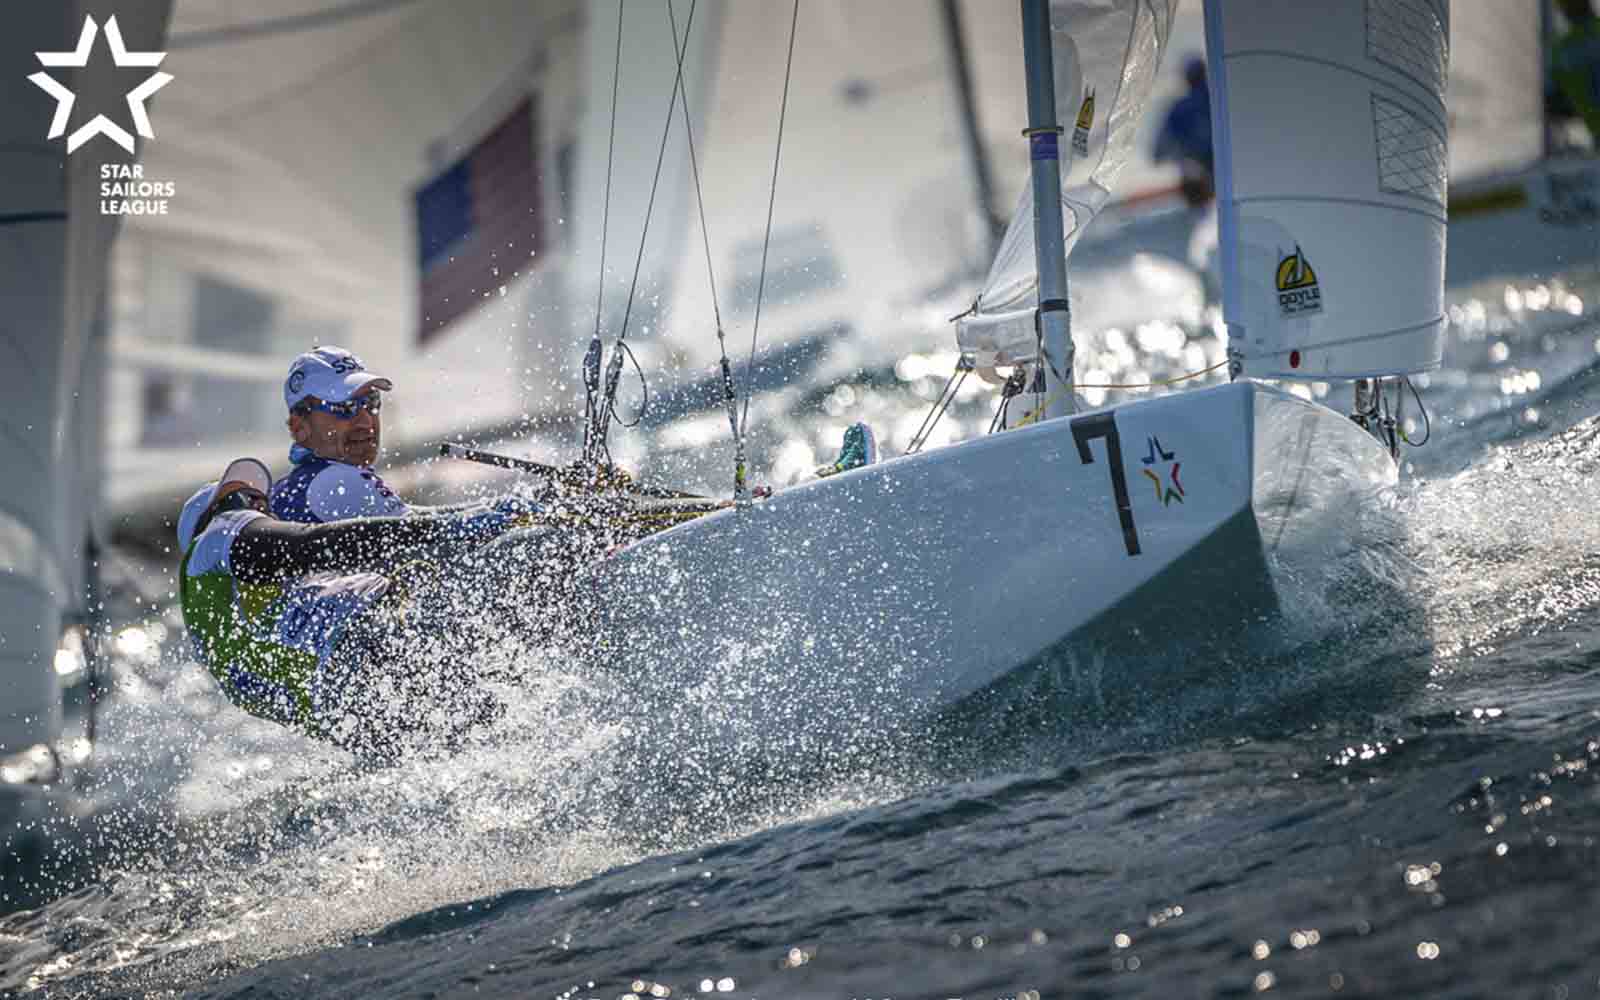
[[888, 594]]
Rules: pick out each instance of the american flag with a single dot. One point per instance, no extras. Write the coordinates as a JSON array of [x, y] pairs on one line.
[[478, 222]]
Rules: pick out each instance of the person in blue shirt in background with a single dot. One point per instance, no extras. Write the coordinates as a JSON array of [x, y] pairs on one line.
[[1185, 140], [1185, 136]]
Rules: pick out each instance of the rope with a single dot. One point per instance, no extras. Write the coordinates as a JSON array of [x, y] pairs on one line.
[[1153, 382], [766, 242], [1011, 390], [644, 387], [1033, 416], [1427, 424]]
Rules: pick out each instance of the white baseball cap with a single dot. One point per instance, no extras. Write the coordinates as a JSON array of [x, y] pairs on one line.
[[241, 473], [331, 374]]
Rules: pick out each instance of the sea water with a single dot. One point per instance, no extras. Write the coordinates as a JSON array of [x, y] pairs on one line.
[[1416, 813]]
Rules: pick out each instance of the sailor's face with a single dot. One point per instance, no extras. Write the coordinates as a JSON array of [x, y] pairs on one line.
[[354, 439]]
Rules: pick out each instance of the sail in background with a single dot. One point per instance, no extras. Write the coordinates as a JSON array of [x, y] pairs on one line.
[[1107, 54], [1331, 209], [1496, 89]]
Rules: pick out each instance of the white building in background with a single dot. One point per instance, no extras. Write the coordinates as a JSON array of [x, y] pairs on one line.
[[297, 147]]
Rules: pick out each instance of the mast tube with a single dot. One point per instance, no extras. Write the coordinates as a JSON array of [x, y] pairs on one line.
[[956, 44], [1054, 316]]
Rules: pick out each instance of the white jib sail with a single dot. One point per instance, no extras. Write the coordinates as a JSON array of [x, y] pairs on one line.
[[1329, 125], [1106, 54]]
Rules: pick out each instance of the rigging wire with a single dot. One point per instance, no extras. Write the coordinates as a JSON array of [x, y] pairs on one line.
[[1033, 415], [766, 242], [649, 210], [947, 395], [694, 166], [611, 151], [591, 361], [661, 155], [741, 491], [608, 406]]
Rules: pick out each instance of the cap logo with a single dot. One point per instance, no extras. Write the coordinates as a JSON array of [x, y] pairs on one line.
[[297, 380], [346, 365]]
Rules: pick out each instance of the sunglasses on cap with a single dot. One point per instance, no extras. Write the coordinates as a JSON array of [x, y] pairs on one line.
[[372, 402]]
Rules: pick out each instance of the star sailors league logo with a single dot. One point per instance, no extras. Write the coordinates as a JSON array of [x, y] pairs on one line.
[[1169, 489], [123, 187], [79, 58]]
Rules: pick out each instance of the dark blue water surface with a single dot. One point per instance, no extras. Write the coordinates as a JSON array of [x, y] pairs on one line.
[[1407, 805]]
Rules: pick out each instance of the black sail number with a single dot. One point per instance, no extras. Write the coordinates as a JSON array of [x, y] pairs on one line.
[[1104, 425]]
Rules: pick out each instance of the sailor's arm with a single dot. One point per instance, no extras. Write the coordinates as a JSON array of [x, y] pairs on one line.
[[269, 551], [341, 491]]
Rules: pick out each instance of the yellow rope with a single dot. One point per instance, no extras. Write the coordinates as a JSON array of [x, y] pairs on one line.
[[1034, 414]]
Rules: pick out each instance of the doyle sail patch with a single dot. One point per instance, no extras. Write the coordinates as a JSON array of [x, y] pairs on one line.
[[1332, 160]]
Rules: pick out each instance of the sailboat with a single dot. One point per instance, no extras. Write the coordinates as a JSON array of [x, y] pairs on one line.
[[894, 591], [1525, 199]]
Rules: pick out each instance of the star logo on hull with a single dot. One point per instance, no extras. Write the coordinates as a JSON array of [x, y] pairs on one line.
[[79, 58], [1165, 492]]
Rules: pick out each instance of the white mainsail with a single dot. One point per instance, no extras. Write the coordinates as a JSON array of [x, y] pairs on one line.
[[1305, 186], [1106, 54]]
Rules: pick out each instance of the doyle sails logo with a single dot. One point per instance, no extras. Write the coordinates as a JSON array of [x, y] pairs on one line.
[[1080, 131], [1298, 291]]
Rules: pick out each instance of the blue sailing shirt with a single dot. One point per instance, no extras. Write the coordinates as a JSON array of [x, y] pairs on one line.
[[1186, 131], [321, 490]]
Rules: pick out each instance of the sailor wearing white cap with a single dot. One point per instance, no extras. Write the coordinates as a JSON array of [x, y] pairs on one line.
[[335, 407], [303, 625]]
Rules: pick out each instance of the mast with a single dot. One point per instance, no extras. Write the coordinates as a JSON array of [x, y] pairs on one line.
[[956, 44], [1546, 35], [1054, 315]]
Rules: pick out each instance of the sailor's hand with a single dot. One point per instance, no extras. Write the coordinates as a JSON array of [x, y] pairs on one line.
[[518, 508], [489, 520], [614, 477], [595, 478]]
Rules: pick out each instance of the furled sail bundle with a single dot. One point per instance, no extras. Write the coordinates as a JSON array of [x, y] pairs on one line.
[[1332, 271], [1107, 54]]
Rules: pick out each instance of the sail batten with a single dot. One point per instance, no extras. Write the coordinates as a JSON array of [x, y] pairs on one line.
[[1332, 162]]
